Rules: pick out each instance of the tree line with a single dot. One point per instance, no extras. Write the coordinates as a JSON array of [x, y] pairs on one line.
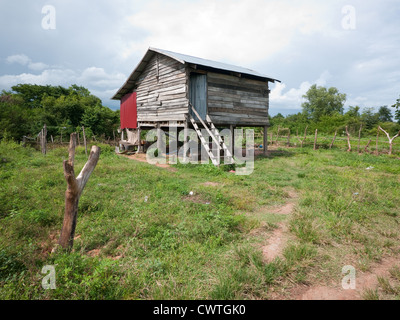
[[26, 108], [323, 109]]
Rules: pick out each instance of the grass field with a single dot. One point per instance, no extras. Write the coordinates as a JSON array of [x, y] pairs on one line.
[[140, 235]]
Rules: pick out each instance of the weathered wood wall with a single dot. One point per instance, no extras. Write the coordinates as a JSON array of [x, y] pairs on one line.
[[237, 101], [162, 95], [162, 91]]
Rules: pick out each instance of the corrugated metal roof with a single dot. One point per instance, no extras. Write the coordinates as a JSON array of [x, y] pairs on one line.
[[184, 59]]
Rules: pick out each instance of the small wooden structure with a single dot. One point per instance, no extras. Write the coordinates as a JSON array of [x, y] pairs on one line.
[[192, 92]]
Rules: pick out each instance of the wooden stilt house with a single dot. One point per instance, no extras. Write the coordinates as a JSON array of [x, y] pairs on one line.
[[192, 92]]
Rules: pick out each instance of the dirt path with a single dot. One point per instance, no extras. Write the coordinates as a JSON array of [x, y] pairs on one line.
[[277, 241], [364, 281], [276, 244], [141, 157]]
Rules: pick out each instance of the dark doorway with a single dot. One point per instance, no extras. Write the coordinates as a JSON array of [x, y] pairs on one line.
[[198, 94]]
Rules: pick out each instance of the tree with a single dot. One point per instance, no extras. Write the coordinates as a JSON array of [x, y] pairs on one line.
[[353, 112], [13, 116], [397, 112], [385, 114], [322, 101], [278, 116], [370, 118], [25, 109]]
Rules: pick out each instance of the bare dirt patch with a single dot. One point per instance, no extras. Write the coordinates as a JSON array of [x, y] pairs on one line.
[[285, 209], [196, 199], [276, 244], [211, 184], [141, 157], [94, 253], [277, 241], [364, 281]]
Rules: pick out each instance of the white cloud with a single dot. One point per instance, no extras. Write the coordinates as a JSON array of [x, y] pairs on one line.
[[97, 80], [37, 66], [243, 32], [24, 60], [293, 98], [21, 59]]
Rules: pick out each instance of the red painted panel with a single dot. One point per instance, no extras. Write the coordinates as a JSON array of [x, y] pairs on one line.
[[128, 111]]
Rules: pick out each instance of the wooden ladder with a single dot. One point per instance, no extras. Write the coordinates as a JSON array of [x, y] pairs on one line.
[[214, 134], [221, 142]]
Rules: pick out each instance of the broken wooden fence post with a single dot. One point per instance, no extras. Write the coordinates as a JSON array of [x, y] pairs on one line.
[[359, 139], [390, 139], [348, 139], [366, 147], [43, 140], [75, 187], [277, 136], [377, 138], [305, 137], [333, 141], [84, 139], [315, 140]]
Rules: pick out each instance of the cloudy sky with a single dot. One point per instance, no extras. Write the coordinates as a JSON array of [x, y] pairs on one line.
[[351, 45]]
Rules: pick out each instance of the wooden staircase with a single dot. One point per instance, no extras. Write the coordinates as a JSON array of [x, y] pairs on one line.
[[216, 137]]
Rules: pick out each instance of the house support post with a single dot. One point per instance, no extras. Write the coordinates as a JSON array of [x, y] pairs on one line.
[[139, 131], [185, 141], [232, 128], [265, 142]]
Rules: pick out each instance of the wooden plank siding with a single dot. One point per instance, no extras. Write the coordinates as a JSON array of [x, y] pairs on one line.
[[237, 101], [162, 91], [163, 95]]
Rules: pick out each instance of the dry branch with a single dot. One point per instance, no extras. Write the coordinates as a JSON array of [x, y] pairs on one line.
[[305, 137], [75, 187], [390, 139], [366, 147]]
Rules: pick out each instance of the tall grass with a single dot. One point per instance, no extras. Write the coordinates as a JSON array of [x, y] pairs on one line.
[[141, 235]]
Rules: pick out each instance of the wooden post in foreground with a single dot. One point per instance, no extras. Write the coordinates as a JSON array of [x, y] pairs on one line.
[[75, 187]]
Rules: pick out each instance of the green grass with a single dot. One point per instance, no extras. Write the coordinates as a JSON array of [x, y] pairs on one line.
[[174, 246]]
